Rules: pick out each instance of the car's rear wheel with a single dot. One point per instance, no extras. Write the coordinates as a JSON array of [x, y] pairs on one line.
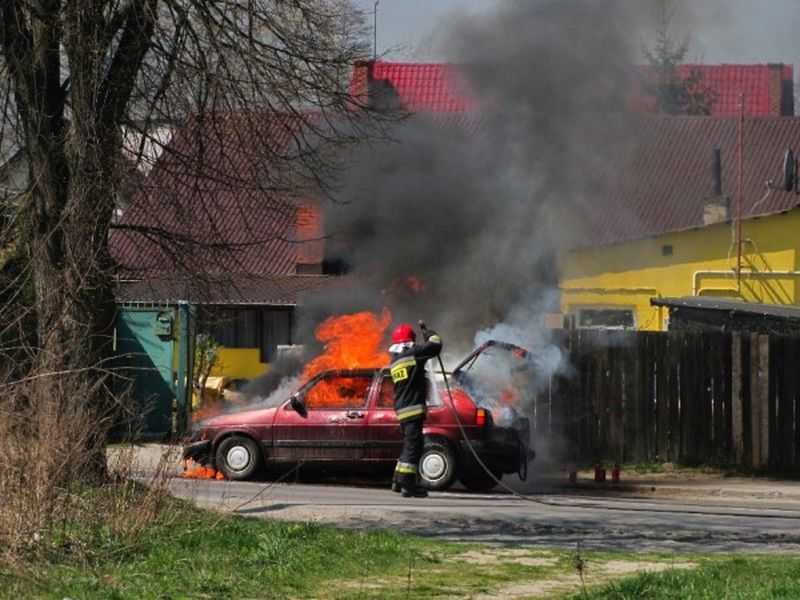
[[476, 479], [238, 457], [437, 466]]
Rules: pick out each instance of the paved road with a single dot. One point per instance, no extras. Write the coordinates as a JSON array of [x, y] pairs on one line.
[[545, 519], [704, 514]]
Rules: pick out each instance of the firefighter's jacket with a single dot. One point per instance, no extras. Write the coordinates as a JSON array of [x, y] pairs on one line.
[[408, 374]]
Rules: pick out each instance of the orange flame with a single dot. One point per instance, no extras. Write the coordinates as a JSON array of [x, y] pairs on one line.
[[194, 470], [508, 397], [350, 342], [211, 408], [402, 286]]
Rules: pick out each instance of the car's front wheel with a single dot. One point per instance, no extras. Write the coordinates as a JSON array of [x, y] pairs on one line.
[[238, 457], [437, 466]]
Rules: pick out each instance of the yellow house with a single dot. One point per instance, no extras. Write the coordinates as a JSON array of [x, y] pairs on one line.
[[668, 227]]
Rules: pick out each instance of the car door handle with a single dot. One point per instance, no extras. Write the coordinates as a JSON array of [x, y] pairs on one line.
[[355, 415]]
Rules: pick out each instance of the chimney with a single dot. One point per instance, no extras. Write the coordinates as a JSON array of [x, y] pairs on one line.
[[310, 250], [775, 89], [716, 172], [361, 83], [716, 207]]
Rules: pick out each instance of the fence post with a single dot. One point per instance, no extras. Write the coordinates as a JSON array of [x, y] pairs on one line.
[[737, 420], [759, 400], [765, 405]]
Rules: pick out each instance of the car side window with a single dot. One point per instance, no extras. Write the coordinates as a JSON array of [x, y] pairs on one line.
[[386, 393], [338, 393]]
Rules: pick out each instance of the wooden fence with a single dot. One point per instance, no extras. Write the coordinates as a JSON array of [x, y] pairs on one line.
[[686, 397]]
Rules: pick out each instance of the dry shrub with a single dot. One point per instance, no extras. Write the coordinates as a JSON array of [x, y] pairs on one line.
[[138, 490], [57, 495]]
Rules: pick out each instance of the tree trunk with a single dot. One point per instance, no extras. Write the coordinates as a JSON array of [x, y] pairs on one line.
[[74, 300]]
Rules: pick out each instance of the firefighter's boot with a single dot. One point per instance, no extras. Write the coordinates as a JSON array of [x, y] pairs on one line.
[[414, 491]]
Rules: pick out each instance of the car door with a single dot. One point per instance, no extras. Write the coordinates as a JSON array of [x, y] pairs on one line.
[[335, 424], [384, 438]]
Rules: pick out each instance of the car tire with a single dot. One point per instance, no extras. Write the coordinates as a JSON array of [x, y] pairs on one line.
[[476, 479], [437, 465], [239, 458]]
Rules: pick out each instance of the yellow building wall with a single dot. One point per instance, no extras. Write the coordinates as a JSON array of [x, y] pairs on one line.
[[238, 363], [702, 263]]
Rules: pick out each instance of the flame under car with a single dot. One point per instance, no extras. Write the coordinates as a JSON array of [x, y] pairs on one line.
[[345, 417]]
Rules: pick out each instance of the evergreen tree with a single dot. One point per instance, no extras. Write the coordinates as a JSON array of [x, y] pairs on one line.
[[672, 92]]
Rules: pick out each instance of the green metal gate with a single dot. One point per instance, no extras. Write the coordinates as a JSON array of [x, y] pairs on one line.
[[153, 349]]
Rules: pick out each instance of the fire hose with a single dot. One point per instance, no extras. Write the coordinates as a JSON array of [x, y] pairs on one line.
[[463, 431]]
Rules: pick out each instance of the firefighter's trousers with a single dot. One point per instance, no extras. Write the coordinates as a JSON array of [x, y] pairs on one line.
[[406, 471]]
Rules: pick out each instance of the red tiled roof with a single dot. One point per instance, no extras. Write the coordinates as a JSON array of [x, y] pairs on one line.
[[439, 87], [659, 173], [216, 201], [768, 89], [420, 87]]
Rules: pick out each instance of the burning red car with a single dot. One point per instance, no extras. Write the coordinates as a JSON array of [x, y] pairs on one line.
[[345, 417]]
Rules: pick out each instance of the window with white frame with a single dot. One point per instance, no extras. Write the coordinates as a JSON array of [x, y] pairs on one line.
[[606, 318]]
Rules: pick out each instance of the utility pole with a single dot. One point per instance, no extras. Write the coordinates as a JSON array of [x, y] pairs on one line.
[[375, 30], [739, 181]]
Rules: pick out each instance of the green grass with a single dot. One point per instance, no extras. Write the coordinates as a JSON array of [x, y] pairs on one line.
[[715, 578], [189, 553]]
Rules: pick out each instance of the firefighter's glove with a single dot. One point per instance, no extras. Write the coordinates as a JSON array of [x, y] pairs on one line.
[[431, 336]]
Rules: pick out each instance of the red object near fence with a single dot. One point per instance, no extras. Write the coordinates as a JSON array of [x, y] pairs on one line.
[[599, 473]]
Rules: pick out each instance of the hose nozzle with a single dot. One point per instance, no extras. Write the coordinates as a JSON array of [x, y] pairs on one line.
[[422, 325]]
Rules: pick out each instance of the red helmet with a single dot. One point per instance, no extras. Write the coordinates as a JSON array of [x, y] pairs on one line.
[[403, 333]]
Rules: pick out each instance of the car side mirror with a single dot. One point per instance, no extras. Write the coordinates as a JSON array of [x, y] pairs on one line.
[[297, 406]]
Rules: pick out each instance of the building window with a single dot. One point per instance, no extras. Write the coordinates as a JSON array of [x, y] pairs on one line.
[[262, 328], [276, 330], [606, 318]]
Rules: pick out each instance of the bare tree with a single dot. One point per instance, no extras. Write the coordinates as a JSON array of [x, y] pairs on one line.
[[90, 84]]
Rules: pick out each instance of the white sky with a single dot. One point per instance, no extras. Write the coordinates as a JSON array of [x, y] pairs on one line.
[[407, 29], [732, 31]]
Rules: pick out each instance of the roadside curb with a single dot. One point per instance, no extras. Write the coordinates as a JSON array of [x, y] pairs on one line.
[[761, 490]]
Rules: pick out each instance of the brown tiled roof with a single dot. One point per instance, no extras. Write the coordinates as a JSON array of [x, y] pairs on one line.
[[658, 173], [218, 200], [273, 290]]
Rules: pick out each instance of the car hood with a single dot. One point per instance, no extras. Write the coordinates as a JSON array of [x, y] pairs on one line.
[[258, 416]]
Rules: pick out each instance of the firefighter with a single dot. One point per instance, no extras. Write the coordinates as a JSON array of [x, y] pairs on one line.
[[410, 386]]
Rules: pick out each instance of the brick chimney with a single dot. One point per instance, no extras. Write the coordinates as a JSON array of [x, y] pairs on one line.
[[716, 207], [310, 245], [361, 83], [781, 90]]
